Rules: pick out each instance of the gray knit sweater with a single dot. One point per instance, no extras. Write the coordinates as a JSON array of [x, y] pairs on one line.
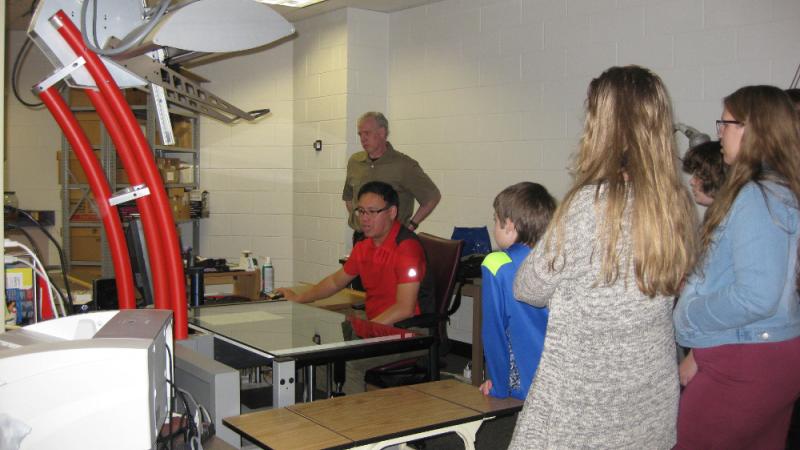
[[608, 375]]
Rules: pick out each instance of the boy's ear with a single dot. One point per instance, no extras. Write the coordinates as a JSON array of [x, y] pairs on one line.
[[508, 225]]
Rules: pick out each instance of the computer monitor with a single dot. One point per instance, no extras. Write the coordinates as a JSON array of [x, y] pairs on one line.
[[140, 261], [100, 379]]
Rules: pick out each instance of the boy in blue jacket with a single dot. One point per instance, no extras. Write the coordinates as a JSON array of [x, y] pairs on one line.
[[513, 332]]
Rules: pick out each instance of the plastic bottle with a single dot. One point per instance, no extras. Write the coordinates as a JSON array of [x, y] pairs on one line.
[[267, 276]]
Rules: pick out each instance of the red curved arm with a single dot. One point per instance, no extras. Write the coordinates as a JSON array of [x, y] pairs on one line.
[[145, 204], [99, 185], [170, 245]]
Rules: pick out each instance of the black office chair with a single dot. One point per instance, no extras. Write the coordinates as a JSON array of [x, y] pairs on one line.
[[443, 256]]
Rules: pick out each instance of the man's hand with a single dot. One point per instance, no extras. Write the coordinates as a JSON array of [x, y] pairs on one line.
[[687, 369], [486, 387], [289, 294]]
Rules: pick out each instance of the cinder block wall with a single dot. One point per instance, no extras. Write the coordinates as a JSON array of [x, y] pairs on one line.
[[340, 69], [486, 93], [247, 167]]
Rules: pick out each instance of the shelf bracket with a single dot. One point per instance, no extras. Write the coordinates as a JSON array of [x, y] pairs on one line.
[[128, 194], [59, 75]]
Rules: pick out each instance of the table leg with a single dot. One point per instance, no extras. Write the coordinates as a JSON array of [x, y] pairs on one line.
[[283, 382], [433, 357], [329, 376], [466, 431], [477, 339], [310, 383]]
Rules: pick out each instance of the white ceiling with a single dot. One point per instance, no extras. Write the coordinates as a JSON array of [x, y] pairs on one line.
[[296, 14], [17, 11]]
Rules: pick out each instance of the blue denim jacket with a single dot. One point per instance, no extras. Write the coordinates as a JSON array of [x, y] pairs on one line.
[[745, 291]]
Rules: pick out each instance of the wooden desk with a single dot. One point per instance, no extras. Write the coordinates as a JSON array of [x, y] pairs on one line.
[[284, 429], [339, 301], [375, 419], [474, 290], [245, 284]]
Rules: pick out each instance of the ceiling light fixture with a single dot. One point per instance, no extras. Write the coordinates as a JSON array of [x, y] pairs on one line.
[[292, 3]]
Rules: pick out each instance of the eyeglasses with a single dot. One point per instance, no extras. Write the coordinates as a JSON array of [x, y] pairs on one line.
[[721, 124], [361, 212]]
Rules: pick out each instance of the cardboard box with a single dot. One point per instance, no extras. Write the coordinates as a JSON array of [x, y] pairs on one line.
[[182, 129], [84, 208], [86, 273], [121, 175], [84, 244], [179, 204], [186, 174], [75, 168], [79, 99], [90, 124], [169, 169]]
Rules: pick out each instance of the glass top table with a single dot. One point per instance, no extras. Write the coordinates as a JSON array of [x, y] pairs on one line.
[[291, 336]]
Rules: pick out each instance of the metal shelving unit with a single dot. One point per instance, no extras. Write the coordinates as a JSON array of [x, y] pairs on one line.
[[81, 211]]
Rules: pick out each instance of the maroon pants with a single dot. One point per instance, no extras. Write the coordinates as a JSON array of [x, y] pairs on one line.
[[741, 397]]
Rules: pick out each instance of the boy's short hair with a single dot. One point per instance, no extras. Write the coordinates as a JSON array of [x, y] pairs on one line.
[[704, 161], [530, 208]]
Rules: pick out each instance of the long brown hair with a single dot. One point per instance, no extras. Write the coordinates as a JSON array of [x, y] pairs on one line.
[[769, 149], [628, 151]]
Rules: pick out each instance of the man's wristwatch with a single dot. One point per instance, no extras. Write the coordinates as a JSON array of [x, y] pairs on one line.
[[411, 223]]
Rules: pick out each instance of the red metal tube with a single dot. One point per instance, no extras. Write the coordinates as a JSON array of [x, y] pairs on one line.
[[99, 186], [132, 168], [171, 247]]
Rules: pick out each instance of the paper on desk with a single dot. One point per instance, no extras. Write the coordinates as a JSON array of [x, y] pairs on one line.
[[240, 317]]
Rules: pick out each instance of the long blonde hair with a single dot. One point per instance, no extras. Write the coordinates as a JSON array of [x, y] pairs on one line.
[[769, 149], [628, 151]]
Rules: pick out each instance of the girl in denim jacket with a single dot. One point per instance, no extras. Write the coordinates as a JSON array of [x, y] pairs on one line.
[[740, 311]]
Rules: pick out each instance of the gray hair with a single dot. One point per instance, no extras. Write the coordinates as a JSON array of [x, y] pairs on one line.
[[380, 119]]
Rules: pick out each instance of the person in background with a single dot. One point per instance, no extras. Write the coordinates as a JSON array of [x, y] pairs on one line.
[[381, 162], [610, 263], [740, 311], [704, 163], [390, 261], [513, 332]]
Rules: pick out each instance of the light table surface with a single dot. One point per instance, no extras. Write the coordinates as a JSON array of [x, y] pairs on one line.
[[375, 418], [290, 336]]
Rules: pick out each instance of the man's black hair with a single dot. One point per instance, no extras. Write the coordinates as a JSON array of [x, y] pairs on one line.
[[385, 190]]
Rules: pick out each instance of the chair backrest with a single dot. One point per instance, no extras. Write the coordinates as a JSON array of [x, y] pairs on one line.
[[443, 256]]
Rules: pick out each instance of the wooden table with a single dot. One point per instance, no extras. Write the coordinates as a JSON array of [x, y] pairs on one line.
[[245, 284], [375, 419], [339, 301]]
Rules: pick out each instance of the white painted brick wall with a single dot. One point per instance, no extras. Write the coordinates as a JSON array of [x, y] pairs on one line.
[[32, 138], [499, 98], [341, 65], [247, 166]]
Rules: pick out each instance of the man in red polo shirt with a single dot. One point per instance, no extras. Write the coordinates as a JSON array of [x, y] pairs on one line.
[[390, 261]]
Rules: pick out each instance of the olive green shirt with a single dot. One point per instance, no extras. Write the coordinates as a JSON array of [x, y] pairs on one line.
[[401, 171]]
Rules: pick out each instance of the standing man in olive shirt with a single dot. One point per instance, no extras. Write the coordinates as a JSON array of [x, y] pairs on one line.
[[381, 162]]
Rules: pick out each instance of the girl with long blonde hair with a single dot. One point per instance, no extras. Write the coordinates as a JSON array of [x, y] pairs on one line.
[[614, 256], [740, 311]]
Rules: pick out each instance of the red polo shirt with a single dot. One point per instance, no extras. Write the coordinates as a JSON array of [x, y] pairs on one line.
[[399, 259]]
